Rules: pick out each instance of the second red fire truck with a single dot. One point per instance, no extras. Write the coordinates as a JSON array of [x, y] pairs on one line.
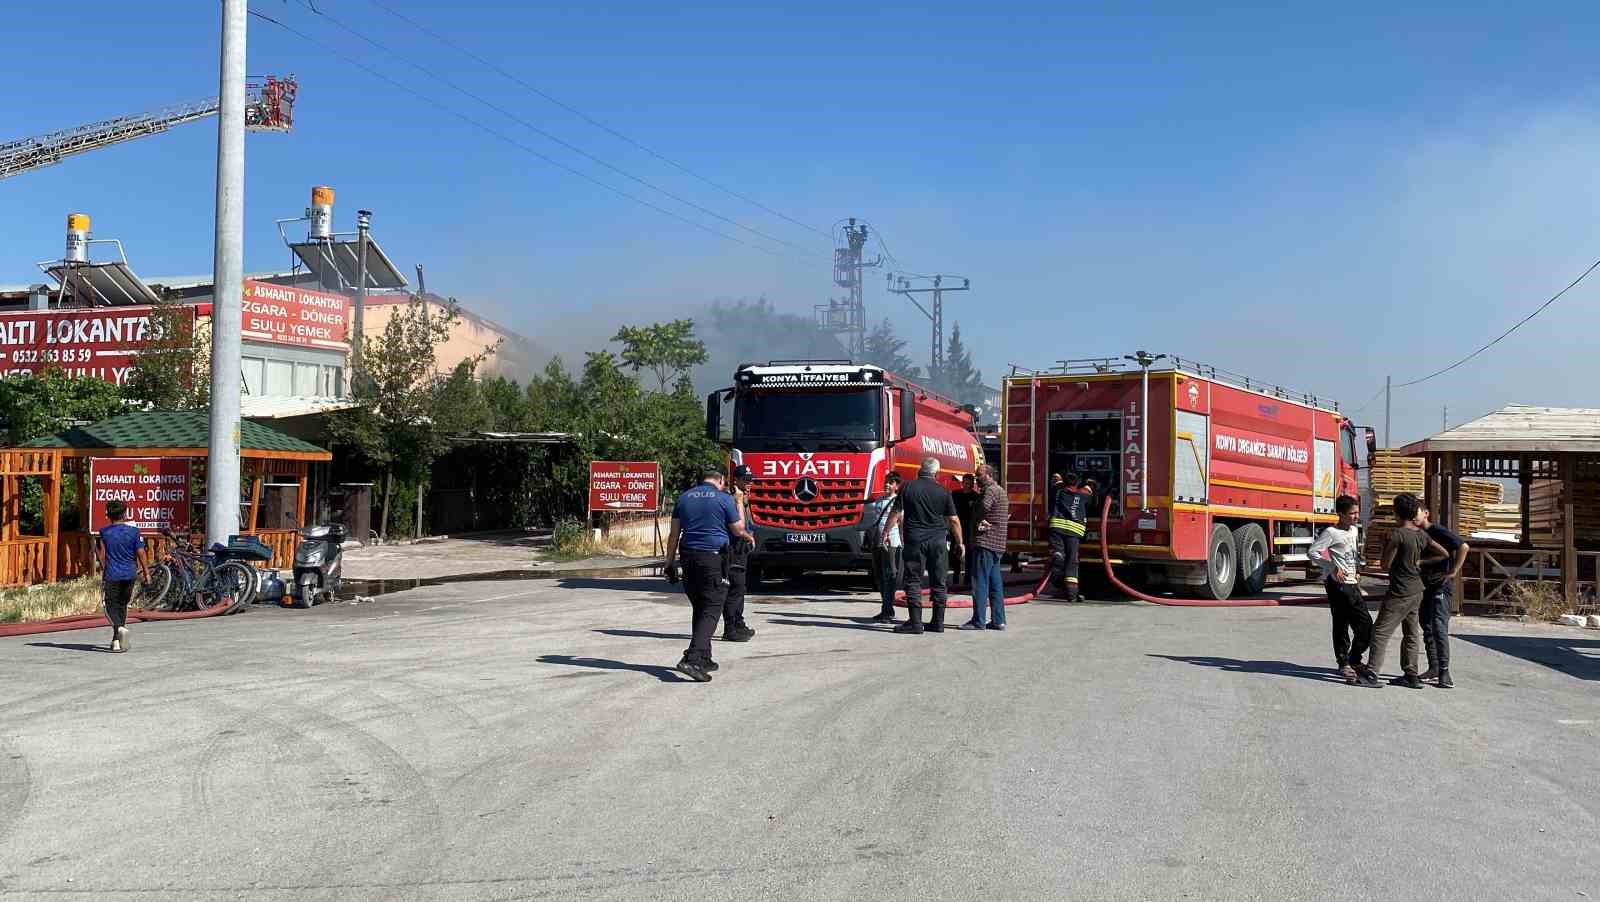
[[1215, 480]]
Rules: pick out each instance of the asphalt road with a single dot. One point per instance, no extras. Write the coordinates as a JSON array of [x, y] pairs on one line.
[[527, 740]]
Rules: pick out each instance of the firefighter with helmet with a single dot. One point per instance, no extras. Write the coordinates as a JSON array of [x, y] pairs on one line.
[[1069, 518], [734, 629]]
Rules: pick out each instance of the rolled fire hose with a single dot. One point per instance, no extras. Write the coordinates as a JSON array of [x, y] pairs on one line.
[[97, 621]]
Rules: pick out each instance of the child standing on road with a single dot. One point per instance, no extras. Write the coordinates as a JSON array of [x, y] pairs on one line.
[[121, 553], [1338, 551], [1407, 550]]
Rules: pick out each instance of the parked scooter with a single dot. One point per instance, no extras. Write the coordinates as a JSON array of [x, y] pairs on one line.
[[318, 566]]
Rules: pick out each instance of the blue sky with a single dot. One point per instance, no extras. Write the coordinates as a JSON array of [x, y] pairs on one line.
[[1315, 194]]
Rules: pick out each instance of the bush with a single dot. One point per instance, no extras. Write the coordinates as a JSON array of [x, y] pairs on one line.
[[572, 538], [1542, 601]]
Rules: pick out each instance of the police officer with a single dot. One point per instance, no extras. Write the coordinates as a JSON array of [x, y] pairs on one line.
[[734, 629], [1069, 518], [703, 521]]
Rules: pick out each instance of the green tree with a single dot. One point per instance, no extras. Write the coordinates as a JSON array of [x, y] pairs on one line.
[[395, 424], [665, 349], [507, 405], [459, 405], [173, 370], [50, 401], [960, 380], [886, 349], [550, 401]]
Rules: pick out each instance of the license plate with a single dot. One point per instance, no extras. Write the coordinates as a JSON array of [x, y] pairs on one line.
[[816, 538]]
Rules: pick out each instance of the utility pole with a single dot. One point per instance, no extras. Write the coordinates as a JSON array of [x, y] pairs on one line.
[[422, 295], [222, 465], [1446, 419], [850, 315], [1388, 396], [904, 286], [359, 320]]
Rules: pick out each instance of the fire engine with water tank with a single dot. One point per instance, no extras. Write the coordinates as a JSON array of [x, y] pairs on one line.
[[820, 436], [1215, 479]]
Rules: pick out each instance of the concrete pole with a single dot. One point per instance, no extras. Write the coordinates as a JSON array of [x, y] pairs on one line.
[[222, 471], [359, 321], [1388, 397]]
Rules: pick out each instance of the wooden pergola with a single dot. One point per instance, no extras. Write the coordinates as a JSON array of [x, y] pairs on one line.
[[265, 454], [1553, 453]]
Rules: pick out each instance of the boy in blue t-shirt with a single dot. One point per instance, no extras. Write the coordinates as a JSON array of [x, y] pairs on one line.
[[121, 553]]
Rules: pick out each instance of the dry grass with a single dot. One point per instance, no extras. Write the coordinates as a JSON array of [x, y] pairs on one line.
[[1539, 600], [628, 543], [574, 541], [27, 604]]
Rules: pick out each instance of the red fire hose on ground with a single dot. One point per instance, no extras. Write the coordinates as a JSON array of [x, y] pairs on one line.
[[959, 604], [97, 621], [1105, 557]]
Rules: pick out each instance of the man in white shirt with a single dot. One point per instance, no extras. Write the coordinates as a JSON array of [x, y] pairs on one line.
[[886, 548], [1338, 551]]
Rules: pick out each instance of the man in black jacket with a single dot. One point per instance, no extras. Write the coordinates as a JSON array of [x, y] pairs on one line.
[[968, 503], [926, 518]]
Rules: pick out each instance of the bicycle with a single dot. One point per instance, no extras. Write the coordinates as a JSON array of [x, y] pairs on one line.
[[197, 578]]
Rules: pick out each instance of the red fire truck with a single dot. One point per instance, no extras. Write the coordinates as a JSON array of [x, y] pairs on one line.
[[1215, 480], [820, 436]]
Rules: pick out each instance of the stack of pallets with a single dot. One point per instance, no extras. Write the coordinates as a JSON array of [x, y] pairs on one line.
[[1545, 514], [1506, 518], [1392, 473], [1476, 495]]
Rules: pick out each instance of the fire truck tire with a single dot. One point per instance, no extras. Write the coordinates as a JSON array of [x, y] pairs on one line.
[[1250, 543], [1222, 565]]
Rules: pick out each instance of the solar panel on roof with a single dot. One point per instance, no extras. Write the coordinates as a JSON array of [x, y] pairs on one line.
[[336, 265], [103, 284]]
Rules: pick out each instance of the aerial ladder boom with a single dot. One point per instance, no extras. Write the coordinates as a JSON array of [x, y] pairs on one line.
[[270, 107]]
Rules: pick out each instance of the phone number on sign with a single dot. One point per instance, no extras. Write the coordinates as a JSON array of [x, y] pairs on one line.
[[52, 355]]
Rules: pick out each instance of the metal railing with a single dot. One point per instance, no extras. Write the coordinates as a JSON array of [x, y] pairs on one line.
[[1088, 366]]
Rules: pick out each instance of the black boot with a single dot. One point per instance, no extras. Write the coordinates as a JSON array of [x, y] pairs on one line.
[[936, 624], [913, 624]]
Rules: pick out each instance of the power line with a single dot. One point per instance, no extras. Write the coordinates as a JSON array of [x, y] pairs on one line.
[[1496, 340], [1368, 403], [553, 138], [590, 119], [1520, 323], [512, 141]]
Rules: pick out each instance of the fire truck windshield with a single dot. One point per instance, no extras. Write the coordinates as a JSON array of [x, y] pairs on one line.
[[849, 415]]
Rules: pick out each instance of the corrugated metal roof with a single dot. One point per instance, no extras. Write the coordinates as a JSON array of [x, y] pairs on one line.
[[1519, 428], [269, 408], [515, 438]]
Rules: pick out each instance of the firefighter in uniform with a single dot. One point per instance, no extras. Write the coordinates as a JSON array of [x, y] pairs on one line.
[[1069, 517], [734, 629]]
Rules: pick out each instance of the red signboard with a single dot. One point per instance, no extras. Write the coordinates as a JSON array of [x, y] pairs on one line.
[[286, 315], [624, 485], [99, 342], [155, 490]]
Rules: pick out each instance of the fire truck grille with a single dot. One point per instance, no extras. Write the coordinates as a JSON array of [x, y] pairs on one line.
[[838, 503]]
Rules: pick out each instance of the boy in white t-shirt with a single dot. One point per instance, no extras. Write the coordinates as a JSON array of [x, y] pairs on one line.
[[1338, 551]]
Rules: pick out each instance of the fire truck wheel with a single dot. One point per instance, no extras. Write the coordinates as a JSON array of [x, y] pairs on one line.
[[1250, 542], [1222, 567]]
